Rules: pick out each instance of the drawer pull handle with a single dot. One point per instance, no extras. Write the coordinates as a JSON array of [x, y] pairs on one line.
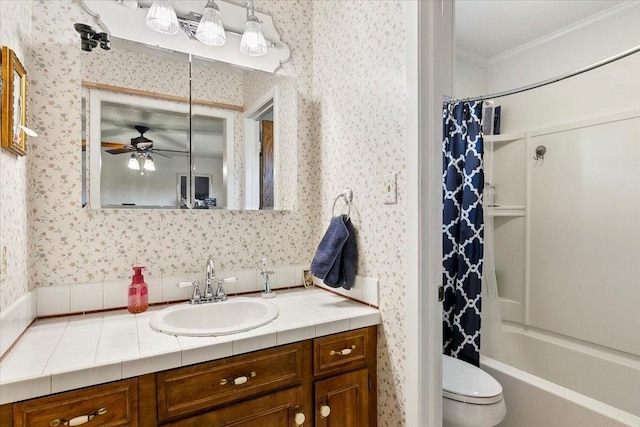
[[343, 352], [325, 411], [237, 381], [77, 421], [299, 418]]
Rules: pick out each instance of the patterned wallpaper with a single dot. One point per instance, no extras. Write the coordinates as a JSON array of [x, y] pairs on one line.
[[15, 33], [75, 245], [360, 94], [351, 94]]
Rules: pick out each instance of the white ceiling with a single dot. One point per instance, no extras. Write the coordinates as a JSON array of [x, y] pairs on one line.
[[168, 130], [487, 28]]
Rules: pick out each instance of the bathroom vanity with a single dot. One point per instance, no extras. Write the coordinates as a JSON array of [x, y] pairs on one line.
[[327, 380]]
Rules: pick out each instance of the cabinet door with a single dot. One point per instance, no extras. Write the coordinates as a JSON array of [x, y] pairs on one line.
[[277, 409], [346, 396]]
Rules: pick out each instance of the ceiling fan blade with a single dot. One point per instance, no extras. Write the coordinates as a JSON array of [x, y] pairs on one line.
[[104, 144], [155, 150], [118, 151], [160, 154]]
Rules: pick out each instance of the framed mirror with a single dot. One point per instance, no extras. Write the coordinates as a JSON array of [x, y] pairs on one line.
[[193, 112]]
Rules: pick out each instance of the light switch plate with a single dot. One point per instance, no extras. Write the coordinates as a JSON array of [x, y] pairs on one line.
[[390, 191]]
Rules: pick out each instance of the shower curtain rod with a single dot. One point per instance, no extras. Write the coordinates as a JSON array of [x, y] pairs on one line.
[[552, 80]]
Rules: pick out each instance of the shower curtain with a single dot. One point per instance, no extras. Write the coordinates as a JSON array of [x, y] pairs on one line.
[[463, 229]]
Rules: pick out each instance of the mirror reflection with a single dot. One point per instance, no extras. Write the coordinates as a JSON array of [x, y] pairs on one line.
[[165, 130]]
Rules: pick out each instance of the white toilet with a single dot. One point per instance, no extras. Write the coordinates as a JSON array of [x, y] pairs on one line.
[[470, 396]]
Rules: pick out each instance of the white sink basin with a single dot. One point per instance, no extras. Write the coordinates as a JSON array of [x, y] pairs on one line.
[[217, 318]]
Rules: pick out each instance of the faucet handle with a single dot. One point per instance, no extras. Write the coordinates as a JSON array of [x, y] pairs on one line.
[[196, 289], [220, 294], [229, 279]]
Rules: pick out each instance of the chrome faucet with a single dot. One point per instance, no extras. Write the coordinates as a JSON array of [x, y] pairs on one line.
[[208, 295], [211, 276]]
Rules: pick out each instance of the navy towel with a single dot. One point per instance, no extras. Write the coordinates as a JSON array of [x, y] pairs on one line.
[[336, 258]]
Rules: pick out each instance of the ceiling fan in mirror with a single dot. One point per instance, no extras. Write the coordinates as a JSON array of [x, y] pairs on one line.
[[140, 149], [139, 145]]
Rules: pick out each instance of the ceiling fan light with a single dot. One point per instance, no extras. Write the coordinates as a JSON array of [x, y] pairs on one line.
[[149, 165], [210, 29], [162, 18], [253, 42], [133, 163]]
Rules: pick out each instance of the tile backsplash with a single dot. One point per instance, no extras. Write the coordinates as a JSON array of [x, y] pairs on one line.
[[86, 297]]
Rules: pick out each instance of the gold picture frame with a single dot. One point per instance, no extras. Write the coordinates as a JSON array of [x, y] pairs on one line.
[[307, 279], [14, 103]]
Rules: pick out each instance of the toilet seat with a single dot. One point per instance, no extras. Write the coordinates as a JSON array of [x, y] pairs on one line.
[[466, 383]]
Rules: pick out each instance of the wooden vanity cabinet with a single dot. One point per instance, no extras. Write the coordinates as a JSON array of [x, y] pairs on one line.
[[344, 367], [328, 381]]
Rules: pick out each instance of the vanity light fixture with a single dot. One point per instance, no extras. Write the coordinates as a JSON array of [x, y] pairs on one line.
[[210, 29], [253, 42], [162, 18], [207, 27]]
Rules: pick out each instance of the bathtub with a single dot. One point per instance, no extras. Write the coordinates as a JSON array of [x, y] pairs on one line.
[[551, 381]]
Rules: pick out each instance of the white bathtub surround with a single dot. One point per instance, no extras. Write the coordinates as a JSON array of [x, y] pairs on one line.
[[535, 402], [114, 345], [551, 380], [15, 319], [85, 297]]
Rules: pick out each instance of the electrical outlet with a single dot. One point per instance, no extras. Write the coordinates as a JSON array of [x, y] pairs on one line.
[[390, 196]]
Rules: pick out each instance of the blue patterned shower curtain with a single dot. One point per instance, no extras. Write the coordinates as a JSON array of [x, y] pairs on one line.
[[463, 229]]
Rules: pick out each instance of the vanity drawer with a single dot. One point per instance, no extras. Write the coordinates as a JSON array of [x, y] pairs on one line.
[[196, 388], [342, 351], [114, 404]]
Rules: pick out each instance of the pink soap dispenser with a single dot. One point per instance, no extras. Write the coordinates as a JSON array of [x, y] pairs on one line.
[[138, 292]]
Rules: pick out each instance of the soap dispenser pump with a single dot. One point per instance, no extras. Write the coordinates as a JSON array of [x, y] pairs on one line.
[[138, 292]]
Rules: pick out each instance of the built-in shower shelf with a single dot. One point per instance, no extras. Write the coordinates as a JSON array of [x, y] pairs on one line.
[[504, 138], [508, 211]]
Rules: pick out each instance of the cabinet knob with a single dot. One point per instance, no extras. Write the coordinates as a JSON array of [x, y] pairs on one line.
[[299, 419], [324, 411]]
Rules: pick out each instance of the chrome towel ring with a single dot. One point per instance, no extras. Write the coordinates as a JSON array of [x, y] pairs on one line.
[[347, 195]]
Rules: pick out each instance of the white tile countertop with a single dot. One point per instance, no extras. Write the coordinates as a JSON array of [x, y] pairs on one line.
[[66, 353]]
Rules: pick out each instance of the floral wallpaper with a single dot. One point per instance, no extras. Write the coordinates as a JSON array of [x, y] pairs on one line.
[[15, 33], [359, 82], [75, 245], [351, 96]]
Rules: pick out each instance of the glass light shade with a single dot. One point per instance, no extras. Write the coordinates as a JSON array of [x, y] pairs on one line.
[[210, 30], [253, 42], [162, 18], [133, 163], [148, 164]]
